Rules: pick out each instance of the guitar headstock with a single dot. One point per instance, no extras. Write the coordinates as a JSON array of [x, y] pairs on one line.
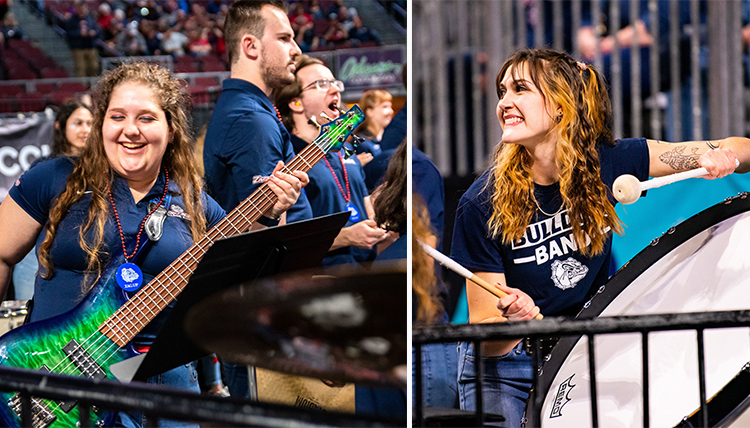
[[334, 133]]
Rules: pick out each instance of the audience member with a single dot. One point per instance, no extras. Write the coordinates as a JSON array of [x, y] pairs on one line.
[[83, 32], [174, 42], [131, 42], [359, 34]]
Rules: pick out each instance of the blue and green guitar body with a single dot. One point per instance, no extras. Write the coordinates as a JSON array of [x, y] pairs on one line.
[[43, 345]]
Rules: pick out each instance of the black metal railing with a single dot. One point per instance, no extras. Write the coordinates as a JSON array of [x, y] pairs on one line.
[[160, 403], [563, 327]]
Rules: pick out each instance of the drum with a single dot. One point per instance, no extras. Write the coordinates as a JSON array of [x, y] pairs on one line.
[[703, 264], [12, 314]]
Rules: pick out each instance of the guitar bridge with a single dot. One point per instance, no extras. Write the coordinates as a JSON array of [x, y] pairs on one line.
[[41, 414]]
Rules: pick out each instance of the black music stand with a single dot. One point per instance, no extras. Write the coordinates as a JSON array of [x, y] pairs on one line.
[[233, 260]]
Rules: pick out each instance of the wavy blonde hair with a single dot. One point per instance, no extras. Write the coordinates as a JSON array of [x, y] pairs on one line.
[[423, 280], [93, 171], [581, 93]]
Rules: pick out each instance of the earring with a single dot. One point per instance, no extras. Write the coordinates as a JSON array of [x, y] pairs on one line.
[[297, 103], [558, 118]]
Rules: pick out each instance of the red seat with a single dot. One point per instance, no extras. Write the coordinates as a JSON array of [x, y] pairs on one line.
[[30, 102], [214, 66], [42, 62], [59, 98], [199, 94], [21, 73], [10, 91], [73, 87], [44, 88], [50, 73], [7, 106], [186, 67], [206, 81]]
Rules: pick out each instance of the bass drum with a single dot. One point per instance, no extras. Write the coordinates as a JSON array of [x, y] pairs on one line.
[[703, 264]]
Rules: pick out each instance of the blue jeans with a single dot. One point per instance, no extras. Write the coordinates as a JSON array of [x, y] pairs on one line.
[[236, 379], [506, 386], [439, 375], [183, 377]]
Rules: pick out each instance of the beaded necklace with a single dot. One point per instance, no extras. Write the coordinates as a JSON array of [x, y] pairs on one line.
[[348, 194], [138, 237]]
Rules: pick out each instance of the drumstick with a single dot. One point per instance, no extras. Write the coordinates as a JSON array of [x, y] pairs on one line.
[[627, 189], [466, 273]]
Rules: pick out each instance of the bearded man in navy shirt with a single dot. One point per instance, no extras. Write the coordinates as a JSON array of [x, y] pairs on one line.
[[246, 140]]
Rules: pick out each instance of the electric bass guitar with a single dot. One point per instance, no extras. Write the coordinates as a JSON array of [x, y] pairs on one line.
[[96, 334]]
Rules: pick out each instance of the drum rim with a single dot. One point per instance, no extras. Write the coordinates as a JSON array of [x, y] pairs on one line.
[[658, 248]]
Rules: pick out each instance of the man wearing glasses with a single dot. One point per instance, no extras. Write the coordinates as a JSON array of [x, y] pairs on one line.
[[245, 138], [337, 183]]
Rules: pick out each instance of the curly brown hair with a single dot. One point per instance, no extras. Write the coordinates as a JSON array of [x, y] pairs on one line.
[[94, 173], [586, 119], [390, 203]]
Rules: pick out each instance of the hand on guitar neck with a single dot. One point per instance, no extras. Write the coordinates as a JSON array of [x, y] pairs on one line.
[[287, 188]]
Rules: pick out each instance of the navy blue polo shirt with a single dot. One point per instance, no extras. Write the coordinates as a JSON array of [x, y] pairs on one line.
[[545, 263], [245, 140], [35, 192], [395, 132], [326, 198]]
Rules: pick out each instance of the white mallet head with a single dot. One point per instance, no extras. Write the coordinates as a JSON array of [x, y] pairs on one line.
[[627, 189]]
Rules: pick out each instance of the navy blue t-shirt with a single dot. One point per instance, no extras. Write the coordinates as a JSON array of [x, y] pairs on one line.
[[244, 141], [545, 262], [35, 192], [326, 198]]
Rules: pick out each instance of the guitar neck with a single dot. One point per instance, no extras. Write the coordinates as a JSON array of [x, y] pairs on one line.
[[139, 310]]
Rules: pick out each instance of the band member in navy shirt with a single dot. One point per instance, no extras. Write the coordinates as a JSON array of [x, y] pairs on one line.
[[539, 222], [337, 184], [87, 212], [246, 140]]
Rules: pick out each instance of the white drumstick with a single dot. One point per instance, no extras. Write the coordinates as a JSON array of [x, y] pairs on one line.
[[466, 273], [627, 189]]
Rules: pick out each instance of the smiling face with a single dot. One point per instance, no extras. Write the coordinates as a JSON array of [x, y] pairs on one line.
[[77, 129], [314, 100], [381, 114], [135, 132], [525, 116], [278, 49]]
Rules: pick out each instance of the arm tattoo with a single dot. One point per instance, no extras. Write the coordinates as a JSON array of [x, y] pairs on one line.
[[679, 160], [712, 146]]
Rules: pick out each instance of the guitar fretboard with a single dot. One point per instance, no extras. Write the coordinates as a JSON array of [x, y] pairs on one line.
[[137, 312]]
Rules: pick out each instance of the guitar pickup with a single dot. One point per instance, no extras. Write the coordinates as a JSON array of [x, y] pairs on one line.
[[83, 361]]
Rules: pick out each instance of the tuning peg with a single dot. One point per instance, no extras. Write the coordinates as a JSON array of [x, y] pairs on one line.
[[325, 116], [357, 140], [313, 121], [347, 152], [341, 112]]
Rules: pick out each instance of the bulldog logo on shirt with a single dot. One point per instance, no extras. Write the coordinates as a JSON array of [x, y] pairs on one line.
[[566, 274]]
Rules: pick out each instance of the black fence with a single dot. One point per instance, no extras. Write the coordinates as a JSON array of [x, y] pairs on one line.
[[710, 412], [160, 403]]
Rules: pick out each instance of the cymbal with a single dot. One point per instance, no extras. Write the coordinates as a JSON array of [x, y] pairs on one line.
[[347, 326]]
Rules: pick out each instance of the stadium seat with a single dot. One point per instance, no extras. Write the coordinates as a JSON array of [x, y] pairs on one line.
[[49, 73], [214, 66], [73, 87], [10, 91], [206, 81], [186, 67], [30, 102], [45, 88], [59, 98]]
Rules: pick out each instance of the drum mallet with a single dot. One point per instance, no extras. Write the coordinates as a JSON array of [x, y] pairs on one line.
[[466, 273], [627, 189]]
